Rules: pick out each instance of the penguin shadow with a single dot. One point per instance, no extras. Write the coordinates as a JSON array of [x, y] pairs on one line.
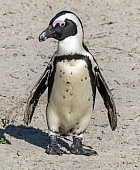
[[31, 135]]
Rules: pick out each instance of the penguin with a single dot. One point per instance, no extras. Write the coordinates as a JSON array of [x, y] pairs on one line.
[[71, 77]]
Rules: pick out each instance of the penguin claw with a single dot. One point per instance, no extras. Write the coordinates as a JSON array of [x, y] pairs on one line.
[[54, 150]]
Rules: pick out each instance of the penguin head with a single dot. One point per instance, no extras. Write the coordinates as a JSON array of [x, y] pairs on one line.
[[62, 26], [67, 28]]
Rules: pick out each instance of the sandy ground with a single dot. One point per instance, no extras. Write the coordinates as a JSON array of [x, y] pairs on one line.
[[112, 33]]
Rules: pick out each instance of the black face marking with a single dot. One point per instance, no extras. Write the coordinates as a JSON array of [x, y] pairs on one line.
[[69, 29], [69, 58]]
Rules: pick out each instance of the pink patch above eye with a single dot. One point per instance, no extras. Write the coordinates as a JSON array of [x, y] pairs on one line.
[[58, 22]]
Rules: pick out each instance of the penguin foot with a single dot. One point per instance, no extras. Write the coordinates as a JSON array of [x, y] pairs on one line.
[[77, 148], [82, 151], [53, 148]]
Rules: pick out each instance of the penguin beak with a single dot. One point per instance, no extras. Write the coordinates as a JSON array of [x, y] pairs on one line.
[[47, 33]]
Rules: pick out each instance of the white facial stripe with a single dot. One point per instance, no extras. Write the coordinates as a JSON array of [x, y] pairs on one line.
[[58, 22], [70, 17]]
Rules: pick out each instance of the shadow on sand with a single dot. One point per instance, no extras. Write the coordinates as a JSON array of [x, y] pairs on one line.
[[31, 135]]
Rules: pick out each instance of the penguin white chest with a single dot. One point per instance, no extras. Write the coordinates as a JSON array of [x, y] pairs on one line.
[[71, 96]]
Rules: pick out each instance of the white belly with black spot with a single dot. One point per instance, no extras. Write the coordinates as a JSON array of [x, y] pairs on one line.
[[71, 96]]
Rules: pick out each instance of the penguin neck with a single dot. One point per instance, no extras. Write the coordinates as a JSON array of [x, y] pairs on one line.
[[69, 46]]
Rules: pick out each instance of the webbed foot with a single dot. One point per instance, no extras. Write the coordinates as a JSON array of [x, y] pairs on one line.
[[77, 148], [54, 148]]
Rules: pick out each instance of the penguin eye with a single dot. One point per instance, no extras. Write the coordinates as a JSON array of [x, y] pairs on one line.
[[62, 24]]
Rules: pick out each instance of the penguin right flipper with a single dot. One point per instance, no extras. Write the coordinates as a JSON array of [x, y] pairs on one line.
[[107, 97], [35, 94]]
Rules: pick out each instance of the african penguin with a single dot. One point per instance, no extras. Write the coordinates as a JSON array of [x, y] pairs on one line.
[[71, 78]]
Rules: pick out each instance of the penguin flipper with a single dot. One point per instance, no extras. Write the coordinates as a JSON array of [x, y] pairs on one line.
[[35, 94], [107, 97]]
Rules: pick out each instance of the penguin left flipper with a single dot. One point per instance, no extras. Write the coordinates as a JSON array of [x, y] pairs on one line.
[[35, 94], [107, 97]]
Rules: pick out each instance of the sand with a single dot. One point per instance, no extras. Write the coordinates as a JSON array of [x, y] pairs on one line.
[[112, 34]]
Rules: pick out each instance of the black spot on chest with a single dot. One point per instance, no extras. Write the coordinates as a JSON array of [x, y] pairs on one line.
[[68, 58]]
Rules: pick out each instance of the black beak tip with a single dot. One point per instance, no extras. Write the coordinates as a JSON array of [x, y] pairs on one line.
[[40, 38], [47, 33]]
